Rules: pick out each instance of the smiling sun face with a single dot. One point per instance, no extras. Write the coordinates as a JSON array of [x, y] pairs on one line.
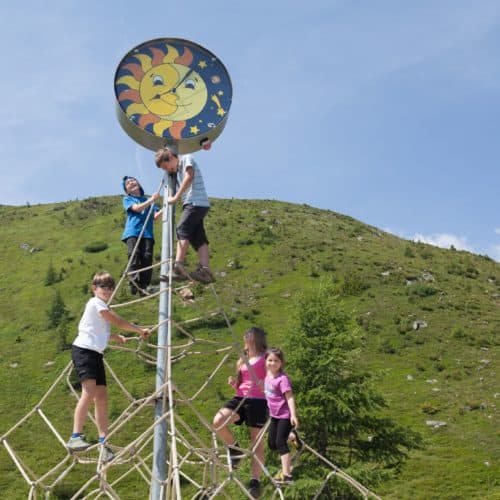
[[162, 91], [173, 92]]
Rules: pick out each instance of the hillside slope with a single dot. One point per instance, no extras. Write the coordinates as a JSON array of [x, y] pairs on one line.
[[430, 319]]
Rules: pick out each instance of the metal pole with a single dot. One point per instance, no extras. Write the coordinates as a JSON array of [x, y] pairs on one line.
[[163, 358]]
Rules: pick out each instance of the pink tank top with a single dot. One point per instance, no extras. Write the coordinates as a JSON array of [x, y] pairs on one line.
[[252, 382]]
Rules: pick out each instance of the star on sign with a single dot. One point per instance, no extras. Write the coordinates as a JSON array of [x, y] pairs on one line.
[[194, 129], [202, 64]]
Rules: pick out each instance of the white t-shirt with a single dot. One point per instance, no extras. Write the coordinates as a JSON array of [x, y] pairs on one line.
[[93, 330]]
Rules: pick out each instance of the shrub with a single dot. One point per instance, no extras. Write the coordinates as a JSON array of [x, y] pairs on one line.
[[353, 285], [428, 408], [409, 252], [421, 290], [95, 247]]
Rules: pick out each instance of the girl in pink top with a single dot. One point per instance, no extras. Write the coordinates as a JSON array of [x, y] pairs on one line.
[[248, 405], [282, 410]]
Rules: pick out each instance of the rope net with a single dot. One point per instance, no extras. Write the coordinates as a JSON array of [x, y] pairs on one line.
[[198, 465]]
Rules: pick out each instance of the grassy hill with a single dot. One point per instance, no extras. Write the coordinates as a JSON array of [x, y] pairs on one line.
[[430, 321]]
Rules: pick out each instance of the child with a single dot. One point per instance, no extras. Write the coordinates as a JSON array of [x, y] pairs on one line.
[[195, 206], [94, 331], [137, 207], [281, 403], [253, 410]]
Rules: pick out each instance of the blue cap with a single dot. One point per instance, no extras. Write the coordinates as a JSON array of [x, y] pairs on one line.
[[124, 180]]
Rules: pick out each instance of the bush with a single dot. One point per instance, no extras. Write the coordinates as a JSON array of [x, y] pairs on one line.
[[353, 285], [409, 252], [95, 247], [421, 290]]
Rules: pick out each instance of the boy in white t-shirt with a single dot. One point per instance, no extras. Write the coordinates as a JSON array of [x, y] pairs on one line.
[[94, 331]]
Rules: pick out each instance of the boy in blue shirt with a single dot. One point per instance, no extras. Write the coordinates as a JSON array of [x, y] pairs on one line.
[[195, 206], [138, 207]]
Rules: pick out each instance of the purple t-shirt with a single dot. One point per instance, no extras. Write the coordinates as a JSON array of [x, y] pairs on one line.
[[275, 388]]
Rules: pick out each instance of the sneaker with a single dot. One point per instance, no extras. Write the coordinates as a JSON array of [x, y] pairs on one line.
[[203, 275], [77, 443], [178, 273], [295, 440], [281, 478], [107, 455], [254, 488]]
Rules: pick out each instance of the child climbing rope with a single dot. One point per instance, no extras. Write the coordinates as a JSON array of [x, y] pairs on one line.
[[94, 331], [195, 206], [137, 207], [248, 406], [281, 403]]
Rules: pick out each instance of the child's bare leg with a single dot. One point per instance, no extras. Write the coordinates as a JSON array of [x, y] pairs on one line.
[[259, 452], [101, 410], [203, 255], [82, 407], [222, 419], [286, 461]]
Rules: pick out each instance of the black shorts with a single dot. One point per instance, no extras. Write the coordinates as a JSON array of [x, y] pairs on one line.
[[253, 411], [191, 226], [88, 365]]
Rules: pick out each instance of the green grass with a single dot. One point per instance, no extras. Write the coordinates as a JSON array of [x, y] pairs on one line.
[[269, 251]]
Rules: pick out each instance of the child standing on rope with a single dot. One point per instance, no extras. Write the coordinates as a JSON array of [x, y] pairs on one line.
[[195, 206], [94, 331], [138, 207], [248, 406], [281, 404]]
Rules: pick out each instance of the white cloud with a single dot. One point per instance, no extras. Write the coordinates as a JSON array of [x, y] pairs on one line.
[[497, 230], [444, 240]]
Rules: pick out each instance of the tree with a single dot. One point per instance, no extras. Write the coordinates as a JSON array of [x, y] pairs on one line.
[[57, 312], [51, 277], [335, 398]]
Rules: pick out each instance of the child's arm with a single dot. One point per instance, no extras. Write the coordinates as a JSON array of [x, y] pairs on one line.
[[139, 207], [293, 412], [186, 182], [123, 324]]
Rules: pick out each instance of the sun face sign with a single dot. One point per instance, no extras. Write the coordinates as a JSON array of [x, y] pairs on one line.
[[172, 92]]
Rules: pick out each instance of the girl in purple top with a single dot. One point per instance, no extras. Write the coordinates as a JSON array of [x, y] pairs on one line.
[[248, 405], [281, 404]]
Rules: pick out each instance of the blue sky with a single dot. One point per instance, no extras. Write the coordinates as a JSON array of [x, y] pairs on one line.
[[386, 111]]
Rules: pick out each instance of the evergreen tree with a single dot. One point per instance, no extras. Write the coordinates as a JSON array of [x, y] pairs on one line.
[[337, 404], [51, 277], [57, 311], [62, 334]]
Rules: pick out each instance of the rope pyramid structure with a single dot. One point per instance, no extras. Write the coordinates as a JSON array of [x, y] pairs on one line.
[[193, 462]]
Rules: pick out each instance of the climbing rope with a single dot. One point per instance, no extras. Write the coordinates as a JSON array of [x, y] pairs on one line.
[[200, 461]]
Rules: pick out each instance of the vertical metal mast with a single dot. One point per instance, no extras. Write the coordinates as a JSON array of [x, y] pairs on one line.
[[164, 401]]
